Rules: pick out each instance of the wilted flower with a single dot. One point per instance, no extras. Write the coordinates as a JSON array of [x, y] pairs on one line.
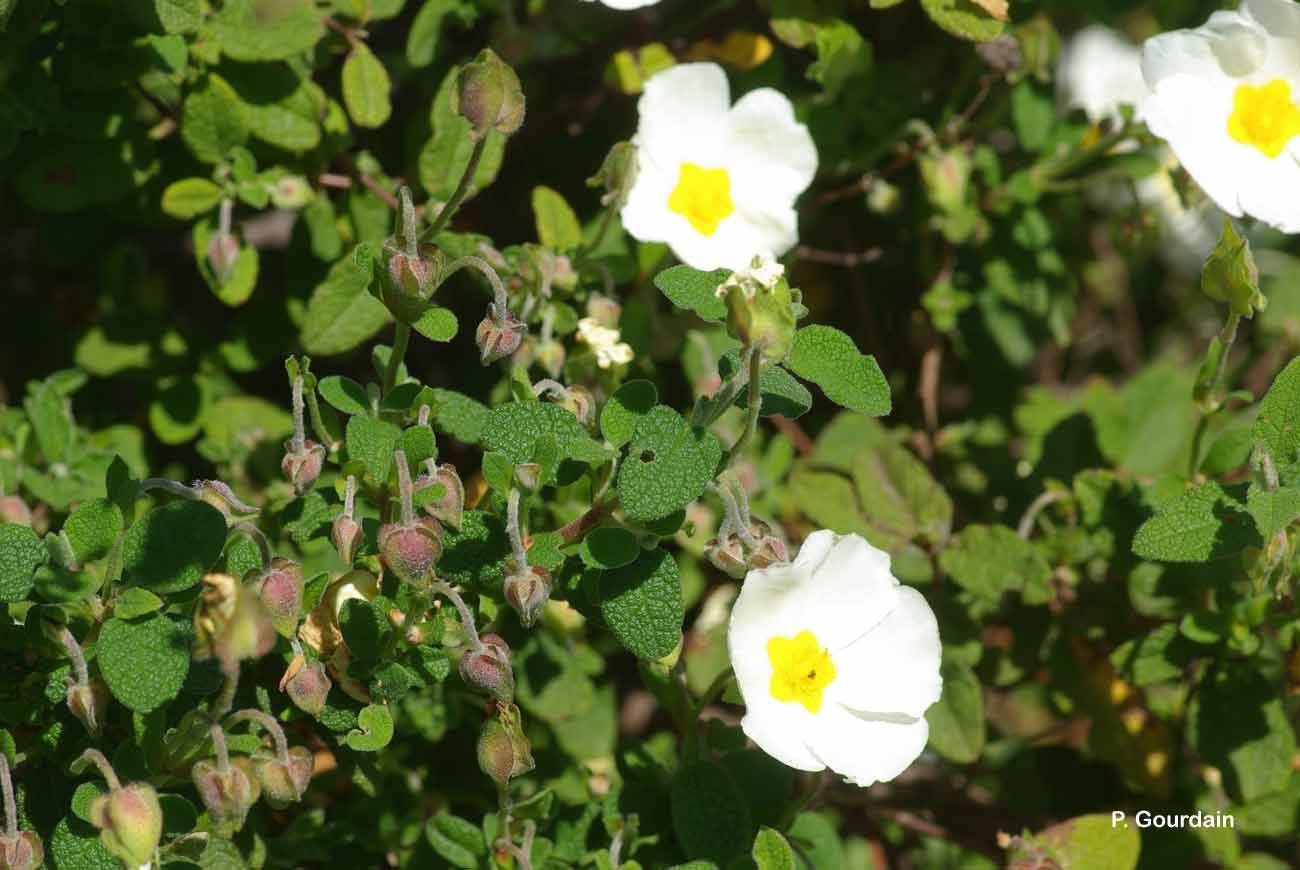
[[836, 661]]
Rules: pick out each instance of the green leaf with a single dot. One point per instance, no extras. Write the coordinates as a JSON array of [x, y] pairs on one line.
[[642, 604], [557, 225], [771, 851], [445, 156], [341, 313], [694, 290], [956, 720], [842, 55], [1277, 428], [51, 421], [668, 465], [190, 197], [1092, 842], [1239, 724], [475, 555], [365, 627], [344, 394], [254, 30], [828, 358], [171, 547], [1204, 523], [282, 107], [899, 495], [75, 845], [459, 842], [1155, 657], [422, 39], [1273, 510], [21, 553], [419, 444], [375, 729], [710, 817], [373, 442], [988, 561], [630, 403], [92, 529], [459, 416], [213, 120], [963, 18], [135, 602], [1033, 112], [515, 427], [366, 87], [779, 392], [176, 412], [437, 324], [609, 547], [179, 16], [144, 661]]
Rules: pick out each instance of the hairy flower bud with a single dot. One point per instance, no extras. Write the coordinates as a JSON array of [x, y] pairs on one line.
[[760, 309], [285, 784], [727, 555], [490, 96], [309, 688], [499, 335], [410, 552], [23, 852], [450, 508], [346, 535], [14, 510], [302, 467], [227, 795], [503, 750], [488, 669], [89, 703], [280, 589], [223, 254], [527, 591], [1230, 274], [616, 175], [528, 475], [130, 822]]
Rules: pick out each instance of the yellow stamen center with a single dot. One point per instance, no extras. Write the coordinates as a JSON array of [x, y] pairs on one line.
[[703, 197], [1264, 116], [801, 669]]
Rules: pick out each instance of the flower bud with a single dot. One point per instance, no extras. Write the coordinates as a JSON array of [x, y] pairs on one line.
[[410, 280], [449, 509], [130, 822], [503, 750], [550, 356], [223, 254], [528, 475], [14, 510], [291, 191], [285, 784], [579, 402], [499, 336], [771, 550], [1230, 274], [309, 688], [727, 555], [488, 669], [616, 175], [231, 623], [527, 591], [346, 535], [227, 795], [281, 592], [89, 703], [410, 552], [490, 96], [760, 309], [946, 175], [302, 467], [23, 852]]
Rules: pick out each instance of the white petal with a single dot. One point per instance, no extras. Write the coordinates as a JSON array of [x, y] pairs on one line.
[[894, 668], [681, 112], [766, 149], [850, 593], [1099, 71], [865, 749], [1278, 17], [779, 728], [1191, 114], [627, 4], [815, 548], [1228, 44], [741, 236], [646, 215]]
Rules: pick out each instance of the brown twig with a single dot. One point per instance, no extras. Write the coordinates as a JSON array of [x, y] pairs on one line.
[[846, 260]]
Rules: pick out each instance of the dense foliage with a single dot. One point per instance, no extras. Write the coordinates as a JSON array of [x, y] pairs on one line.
[[375, 489]]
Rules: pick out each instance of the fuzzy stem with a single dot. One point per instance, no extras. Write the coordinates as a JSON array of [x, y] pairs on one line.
[[442, 587], [350, 496], [405, 490], [735, 514], [499, 297], [226, 493], [169, 486], [409, 224], [219, 746], [515, 532], [461, 189], [79, 670], [422, 419], [615, 848], [1226, 339], [11, 806], [547, 385], [318, 422], [95, 757], [752, 407], [263, 545], [299, 441], [1026, 526], [401, 341], [269, 724], [226, 699]]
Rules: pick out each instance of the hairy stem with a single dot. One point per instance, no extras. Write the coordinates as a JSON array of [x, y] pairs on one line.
[[263, 545], [95, 757], [219, 746], [226, 699], [269, 724], [79, 671], [171, 487], [1026, 527], [11, 806], [753, 405], [350, 496], [1227, 336], [299, 441], [405, 489], [401, 340], [445, 589], [499, 297], [515, 532], [466, 180]]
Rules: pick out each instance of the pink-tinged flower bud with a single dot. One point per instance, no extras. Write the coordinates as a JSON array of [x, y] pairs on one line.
[[410, 278], [223, 254], [285, 784], [499, 336], [503, 750], [231, 623], [449, 509], [527, 592], [228, 795], [89, 703], [346, 535], [528, 475], [410, 552], [309, 688], [489, 96], [280, 589], [771, 550], [23, 852], [488, 670], [727, 555], [130, 822], [14, 510], [302, 467]]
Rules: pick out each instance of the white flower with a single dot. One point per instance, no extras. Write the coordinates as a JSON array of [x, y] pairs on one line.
[[604, 342], [625, 4], [1099, 71], [837, 662], [761, 274], [1224, 98], [717, 182]]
